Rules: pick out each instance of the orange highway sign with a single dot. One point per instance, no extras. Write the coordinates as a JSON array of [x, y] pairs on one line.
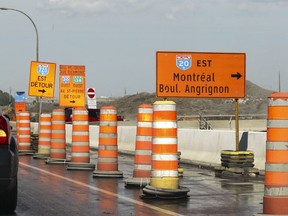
[[200, 75], [42, 79], [72, 89]]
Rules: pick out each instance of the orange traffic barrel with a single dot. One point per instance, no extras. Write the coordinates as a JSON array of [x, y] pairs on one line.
[[80, 149], [164, 169], [24, 132], [58, 137], [107, 165], [275, 198], [143, 147], [44, 141]]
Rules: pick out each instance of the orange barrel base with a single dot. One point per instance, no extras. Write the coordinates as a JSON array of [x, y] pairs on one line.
[[26, 152], [56, 161], [137, 182], [80, 166], [140, 178], [80, 159], [58, 154], [164, 193], [275, 205], [41, 156], [107, 170], [108, 174]]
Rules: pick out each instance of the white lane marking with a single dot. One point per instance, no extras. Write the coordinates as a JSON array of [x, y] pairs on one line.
[[101, 190]]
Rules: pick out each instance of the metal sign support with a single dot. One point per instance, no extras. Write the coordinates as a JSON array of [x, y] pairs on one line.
[[237, 124]]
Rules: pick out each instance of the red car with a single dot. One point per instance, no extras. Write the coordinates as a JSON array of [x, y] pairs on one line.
[[8, 167], [94, 115]]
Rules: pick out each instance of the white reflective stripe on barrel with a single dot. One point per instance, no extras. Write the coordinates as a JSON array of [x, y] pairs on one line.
[[273, 167], [277, 102], [165, 157], [276, 191], [277, 124], [164, 107], [145, 110], [142, 167], [144, 124], [277, 145], [144, 138], [107, 147], [143, 152], [107, 160], [166, 141], [164, 173], [108, 135], [80, 133], [164, 125]]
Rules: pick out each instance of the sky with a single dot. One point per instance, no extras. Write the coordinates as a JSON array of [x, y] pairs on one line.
[[117, 40]]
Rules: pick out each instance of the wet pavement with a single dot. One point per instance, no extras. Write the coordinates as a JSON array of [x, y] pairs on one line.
[[49, 189]]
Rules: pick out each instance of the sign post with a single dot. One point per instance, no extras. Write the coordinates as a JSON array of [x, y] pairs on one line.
[[72, 86], [202, 75]]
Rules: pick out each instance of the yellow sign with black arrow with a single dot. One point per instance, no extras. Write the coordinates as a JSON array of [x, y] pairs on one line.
[[42, 79]]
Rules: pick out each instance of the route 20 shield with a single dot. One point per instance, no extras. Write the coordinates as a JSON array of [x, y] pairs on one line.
[[43, 69], [183, 62]]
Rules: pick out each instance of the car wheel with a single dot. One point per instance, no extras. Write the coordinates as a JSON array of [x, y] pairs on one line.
[[8, 199]]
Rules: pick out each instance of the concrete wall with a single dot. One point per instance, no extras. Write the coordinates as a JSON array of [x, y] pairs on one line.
[[199, 146]]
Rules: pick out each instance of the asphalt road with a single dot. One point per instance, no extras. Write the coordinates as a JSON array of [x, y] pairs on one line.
[[49, 189]]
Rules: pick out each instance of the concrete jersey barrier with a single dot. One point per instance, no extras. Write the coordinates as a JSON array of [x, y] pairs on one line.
[[197, 146]]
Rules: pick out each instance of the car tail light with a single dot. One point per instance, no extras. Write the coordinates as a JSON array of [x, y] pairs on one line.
[[4, 130]]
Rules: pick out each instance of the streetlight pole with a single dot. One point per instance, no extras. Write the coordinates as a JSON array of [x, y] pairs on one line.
[[37, 49]]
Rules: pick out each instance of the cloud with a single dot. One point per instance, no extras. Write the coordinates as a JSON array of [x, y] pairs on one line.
[[170, 9], [73, 7], [76, 7]]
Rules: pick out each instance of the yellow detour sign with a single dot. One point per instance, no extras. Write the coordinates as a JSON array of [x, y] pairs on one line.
[[42, 79], [200, 75], [72, 85]]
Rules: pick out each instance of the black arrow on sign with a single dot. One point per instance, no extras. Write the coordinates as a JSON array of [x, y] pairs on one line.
[[72, 101], [238, 75], [43, 91]]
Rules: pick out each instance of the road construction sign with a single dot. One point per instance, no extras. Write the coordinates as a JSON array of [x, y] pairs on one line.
[[200, 75], [72, 86], [20, 107], [42, 79]]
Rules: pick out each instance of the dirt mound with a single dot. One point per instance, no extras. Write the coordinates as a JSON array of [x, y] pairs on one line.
[[255, 102]]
